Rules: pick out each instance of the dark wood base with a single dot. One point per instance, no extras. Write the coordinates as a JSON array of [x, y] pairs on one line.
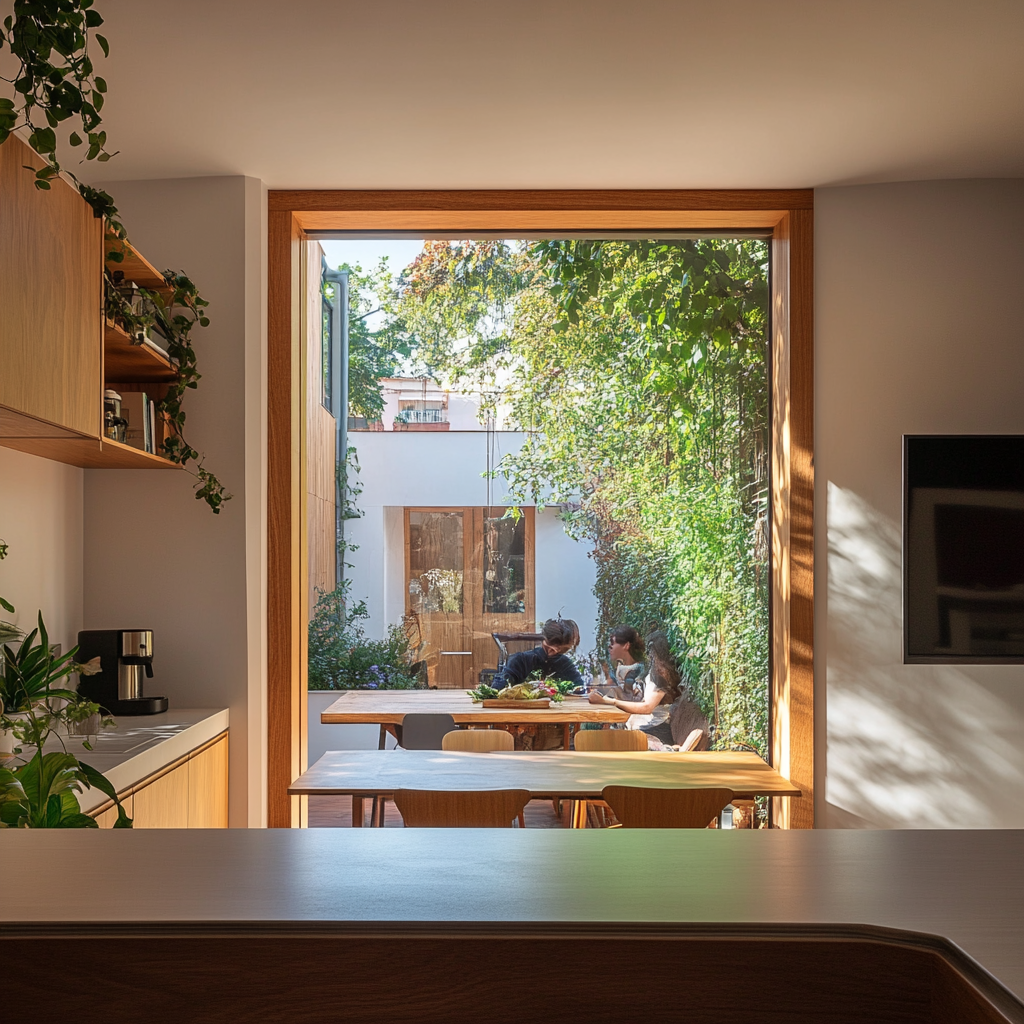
[[474, 973]]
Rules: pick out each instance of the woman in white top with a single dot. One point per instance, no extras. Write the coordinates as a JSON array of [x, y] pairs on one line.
[[649, 711], [625, 652]]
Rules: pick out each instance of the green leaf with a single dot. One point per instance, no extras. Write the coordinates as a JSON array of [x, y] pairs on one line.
[[75, 139], [104, 46]]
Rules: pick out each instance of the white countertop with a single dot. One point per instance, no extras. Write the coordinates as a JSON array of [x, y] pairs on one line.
[[142, 745]]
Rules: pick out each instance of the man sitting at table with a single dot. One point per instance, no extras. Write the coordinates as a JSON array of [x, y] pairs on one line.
[[559, 637]]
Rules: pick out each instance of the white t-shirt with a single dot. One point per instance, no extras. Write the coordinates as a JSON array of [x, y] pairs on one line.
[[660, 713]]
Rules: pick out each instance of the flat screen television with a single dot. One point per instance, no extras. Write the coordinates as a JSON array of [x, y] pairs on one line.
[[963, 549]]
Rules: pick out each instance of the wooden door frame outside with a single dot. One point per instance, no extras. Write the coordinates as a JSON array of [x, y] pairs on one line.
[[787, 215]]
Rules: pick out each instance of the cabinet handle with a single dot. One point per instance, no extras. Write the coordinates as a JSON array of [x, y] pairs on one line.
[[469, 653]]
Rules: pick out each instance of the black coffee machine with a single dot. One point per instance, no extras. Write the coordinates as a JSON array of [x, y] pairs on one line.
[[125, 654]]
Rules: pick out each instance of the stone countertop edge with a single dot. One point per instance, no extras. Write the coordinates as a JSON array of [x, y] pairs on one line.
[[191, 729]]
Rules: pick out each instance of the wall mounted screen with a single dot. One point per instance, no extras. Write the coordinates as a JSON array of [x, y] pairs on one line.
[[963, 549]]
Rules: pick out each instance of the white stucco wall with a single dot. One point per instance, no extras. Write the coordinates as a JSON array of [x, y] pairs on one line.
[[918, 330], [399, 469]]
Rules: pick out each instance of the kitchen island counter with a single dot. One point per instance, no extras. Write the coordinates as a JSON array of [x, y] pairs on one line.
[[421, 924]]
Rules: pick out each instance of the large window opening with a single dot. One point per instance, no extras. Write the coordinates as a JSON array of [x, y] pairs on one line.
[[571, 426]]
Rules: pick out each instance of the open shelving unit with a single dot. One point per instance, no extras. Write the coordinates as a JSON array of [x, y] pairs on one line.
[[60, 351]]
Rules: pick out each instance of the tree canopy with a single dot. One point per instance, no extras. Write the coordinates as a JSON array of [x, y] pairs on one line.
[[638, 370]]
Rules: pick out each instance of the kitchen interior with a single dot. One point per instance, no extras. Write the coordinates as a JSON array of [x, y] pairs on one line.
[[104, 538]]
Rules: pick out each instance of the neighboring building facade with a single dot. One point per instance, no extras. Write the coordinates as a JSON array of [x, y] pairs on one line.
[[435, 542]]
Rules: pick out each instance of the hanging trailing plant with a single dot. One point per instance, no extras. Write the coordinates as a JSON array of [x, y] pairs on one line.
[[55, 82], [173, 318], [55, 85]]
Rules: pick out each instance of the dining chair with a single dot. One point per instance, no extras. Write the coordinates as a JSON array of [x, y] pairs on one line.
[[602, 739], [643, 807], [482, 741], [610, 739], [417, 731], [691, 741], [494, 808]]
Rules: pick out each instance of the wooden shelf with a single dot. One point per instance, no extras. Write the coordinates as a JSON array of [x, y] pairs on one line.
[[123, 456], [48, 441], [125, 363], [137, 268]]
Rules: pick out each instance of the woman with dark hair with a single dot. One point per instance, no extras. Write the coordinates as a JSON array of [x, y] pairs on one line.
[[625, 654], [649, 712], [558, 637]]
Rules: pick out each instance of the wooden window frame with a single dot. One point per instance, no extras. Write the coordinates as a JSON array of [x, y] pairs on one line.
[[788, 215]]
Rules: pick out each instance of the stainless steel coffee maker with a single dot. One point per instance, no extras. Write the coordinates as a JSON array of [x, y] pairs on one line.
[[126, 656]]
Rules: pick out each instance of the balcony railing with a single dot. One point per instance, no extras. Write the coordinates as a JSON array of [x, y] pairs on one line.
[[421, 416]]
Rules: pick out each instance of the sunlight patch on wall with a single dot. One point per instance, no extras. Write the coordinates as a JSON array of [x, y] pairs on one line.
[[909, 746]]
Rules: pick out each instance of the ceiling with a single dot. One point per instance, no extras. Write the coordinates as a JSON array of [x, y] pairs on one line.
[[565, 93]]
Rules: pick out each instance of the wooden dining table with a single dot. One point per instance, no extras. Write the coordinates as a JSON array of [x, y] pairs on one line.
[[553, 774], [388, 708]]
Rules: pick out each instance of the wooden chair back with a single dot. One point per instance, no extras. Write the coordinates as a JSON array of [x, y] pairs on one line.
[[641, 807], [610, 739], [424, 731], [482, 740], [691, 741], [423, 808]]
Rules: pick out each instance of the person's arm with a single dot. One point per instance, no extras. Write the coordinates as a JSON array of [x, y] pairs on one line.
[[515, 671], [652, 698], [566, 669]]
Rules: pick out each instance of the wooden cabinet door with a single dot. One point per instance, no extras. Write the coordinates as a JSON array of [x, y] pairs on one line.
[[163, 803], [51, 301], [208, 786]]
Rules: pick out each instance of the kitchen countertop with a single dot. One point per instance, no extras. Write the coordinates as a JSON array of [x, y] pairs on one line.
[[142, 745], [964, 886]]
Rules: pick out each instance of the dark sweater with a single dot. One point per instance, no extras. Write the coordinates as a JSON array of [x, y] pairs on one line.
[[520, 665]]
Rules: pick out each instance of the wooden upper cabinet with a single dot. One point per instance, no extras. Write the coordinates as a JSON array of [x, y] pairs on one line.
[[51, 301]]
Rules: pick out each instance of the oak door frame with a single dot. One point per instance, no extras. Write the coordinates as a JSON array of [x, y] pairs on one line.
[[788, 215]]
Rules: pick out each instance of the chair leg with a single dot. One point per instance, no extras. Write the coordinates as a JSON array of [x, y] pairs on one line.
[[579, 814]]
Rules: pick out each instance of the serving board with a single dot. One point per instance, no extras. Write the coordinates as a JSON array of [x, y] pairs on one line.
[[496, 702]]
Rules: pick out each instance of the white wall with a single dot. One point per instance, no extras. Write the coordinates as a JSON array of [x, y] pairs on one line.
[[918, 330], [437, 469], [156, 557], [41, 521]]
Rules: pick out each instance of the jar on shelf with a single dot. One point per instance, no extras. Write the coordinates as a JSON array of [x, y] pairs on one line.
[[114, 425]]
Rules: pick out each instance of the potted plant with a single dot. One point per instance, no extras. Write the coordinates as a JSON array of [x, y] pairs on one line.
[[38, 788], [342, 657]]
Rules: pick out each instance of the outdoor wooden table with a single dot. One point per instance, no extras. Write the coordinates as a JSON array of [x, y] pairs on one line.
[[553, 774], [389, 707]]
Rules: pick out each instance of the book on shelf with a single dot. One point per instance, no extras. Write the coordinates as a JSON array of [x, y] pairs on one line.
[[155, 343], [140, 412]]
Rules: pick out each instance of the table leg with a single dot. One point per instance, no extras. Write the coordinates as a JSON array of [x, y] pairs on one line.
[[357, 812], [383, 737], [566, 735]]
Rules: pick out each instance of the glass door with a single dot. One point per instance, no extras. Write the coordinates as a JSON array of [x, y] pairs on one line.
[[469, 573]]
